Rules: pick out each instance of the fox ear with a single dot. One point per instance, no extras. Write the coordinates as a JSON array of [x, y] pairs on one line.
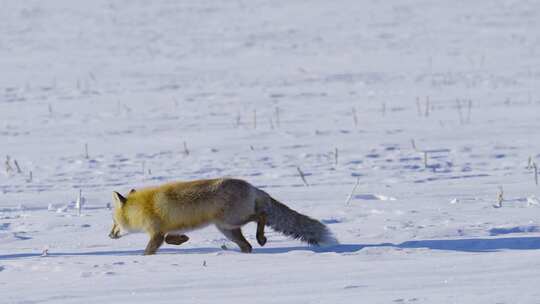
[[118, 199], [131, 191]]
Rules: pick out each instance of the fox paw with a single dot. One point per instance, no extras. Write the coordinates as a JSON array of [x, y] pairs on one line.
[[261, 240], [176, 239], [246, 249]]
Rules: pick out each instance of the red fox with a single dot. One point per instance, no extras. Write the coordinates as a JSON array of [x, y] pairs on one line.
[[227, 203]]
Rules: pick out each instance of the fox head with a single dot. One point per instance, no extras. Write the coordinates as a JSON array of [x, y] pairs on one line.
[[119, 221]]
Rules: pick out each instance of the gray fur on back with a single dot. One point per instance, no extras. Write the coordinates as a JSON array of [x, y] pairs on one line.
[[291, 223]]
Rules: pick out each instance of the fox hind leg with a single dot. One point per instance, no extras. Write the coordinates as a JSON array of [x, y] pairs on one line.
[[176, 239], [261, 222], [155, 242], [236, 236]]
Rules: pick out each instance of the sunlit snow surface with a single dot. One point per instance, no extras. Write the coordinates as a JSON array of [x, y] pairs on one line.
[[433, 108]]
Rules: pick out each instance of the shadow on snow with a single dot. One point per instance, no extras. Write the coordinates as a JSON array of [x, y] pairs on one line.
[[463, 245]]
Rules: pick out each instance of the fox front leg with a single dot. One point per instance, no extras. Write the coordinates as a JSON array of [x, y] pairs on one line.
[[153, 245], [115, 231]]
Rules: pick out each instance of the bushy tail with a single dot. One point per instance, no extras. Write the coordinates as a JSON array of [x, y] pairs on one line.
[[291, 223]]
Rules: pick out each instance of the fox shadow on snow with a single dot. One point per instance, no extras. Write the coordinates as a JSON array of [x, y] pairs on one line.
[[463, 245]]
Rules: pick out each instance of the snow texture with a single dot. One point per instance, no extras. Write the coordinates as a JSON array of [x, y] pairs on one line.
[[432, 106]]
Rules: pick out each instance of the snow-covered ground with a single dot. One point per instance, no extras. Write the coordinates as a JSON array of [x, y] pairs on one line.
[[433, 107]]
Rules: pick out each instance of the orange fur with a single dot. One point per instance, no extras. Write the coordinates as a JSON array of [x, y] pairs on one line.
[[171, 207]]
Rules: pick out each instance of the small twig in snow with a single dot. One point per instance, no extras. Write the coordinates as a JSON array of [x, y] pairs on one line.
[[79, 203], [9, 169], [17, 166], [500, 198], [352, 191], [355, 117], [302, 175], [535, 167], [186, 150]]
